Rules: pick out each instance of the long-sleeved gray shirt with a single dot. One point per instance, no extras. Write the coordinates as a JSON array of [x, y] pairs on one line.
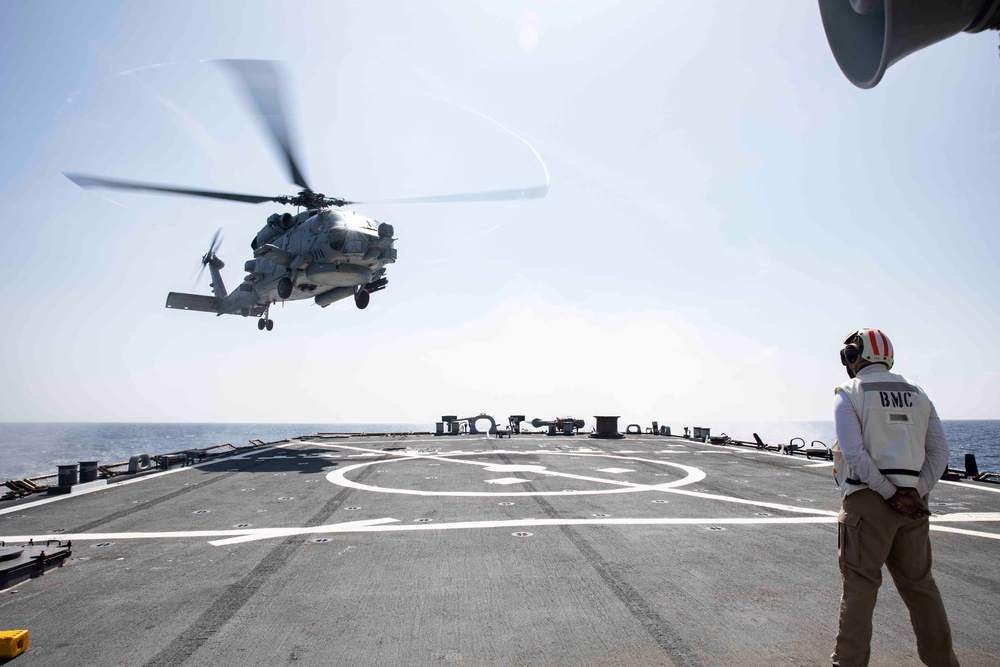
[[848, 426]]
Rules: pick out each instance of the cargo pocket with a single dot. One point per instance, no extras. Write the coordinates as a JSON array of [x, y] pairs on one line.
[[849, 539]]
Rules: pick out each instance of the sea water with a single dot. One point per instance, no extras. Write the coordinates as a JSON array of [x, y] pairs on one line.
[[30, 449]]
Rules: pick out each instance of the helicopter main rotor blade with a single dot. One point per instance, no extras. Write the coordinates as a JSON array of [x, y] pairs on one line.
[[262, 84], [85, 181], [535, 192]]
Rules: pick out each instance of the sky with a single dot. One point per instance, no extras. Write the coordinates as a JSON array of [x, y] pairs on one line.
[[724, 208]]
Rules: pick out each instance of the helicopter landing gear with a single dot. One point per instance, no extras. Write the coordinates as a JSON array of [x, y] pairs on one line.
[[362, 298], [265, 322], [284, 288]]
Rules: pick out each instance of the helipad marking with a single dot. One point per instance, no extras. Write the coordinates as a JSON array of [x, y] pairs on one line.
[[506, 480], [695, 475], [379, 525], [387, 525], [513, 468], [339, 477], [615, 471], [269, 533]]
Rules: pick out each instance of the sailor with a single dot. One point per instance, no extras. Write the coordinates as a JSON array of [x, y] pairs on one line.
[[890, 451]]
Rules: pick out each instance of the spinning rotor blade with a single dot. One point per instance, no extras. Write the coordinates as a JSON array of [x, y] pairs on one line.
[[261, 82], [216, 241], [210, 255], [85, 181], [535, 192]]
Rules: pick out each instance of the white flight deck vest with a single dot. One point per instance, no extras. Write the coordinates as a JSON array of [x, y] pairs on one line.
[[894, 413]]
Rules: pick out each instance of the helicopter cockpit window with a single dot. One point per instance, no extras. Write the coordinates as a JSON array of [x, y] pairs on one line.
[[354, 246], [354, 243]]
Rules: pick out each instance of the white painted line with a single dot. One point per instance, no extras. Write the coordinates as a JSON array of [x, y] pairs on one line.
[[134, 480], [536, 468], [287, 532], [382, 526], [963, 531], [694, 475], [825, 464], [756, 503], [959, 517], [971, 486], [506, 480]]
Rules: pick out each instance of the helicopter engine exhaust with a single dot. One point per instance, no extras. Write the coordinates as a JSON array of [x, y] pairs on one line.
[[336, 294]]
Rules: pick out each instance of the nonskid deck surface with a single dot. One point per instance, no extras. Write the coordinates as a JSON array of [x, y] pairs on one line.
[[467, 550]]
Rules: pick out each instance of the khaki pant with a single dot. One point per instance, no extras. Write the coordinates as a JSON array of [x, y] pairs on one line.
[[871, 534]]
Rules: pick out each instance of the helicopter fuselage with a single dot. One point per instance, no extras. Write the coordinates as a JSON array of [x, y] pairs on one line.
[[320, 254], [317, 252]]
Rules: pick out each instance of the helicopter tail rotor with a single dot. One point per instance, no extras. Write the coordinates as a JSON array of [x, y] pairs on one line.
[[209, 258]]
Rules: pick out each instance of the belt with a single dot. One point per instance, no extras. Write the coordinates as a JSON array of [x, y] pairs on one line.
[[889, 471]]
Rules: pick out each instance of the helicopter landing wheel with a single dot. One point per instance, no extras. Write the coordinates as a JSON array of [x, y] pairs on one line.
[[362, 299], [261, 323], [284, 287]]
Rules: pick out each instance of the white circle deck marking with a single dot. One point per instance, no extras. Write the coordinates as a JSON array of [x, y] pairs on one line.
[[693, 475], [515, 468]]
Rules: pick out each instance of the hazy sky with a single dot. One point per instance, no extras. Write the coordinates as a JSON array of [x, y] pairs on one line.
[[724, 209]]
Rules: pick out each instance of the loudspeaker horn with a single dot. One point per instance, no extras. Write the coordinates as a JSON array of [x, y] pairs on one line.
[[867, 36]]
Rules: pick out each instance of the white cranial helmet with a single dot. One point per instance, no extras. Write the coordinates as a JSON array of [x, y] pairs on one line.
[[872, 345]]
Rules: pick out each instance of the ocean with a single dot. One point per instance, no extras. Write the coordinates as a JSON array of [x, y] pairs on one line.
[[31, 449]]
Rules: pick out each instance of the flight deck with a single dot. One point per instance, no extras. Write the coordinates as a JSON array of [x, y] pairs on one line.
[[471, 549]]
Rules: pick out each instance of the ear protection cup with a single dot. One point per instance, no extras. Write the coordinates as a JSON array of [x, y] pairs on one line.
[[849, 355]]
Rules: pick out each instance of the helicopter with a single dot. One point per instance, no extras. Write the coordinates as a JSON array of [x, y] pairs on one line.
[[320, 252]]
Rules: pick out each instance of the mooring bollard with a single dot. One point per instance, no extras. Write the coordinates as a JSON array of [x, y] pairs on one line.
[[68, 475], [607, 427], [88, 471]]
